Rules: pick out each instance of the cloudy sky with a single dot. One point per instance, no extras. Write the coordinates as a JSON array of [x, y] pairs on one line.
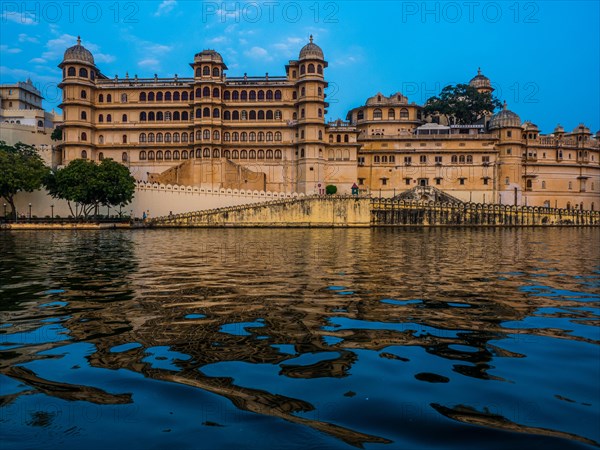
[[542, 57]]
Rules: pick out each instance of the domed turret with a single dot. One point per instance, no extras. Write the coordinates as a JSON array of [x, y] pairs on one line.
[[559, 129], [530, 126], [481, 82], [504, 119], [208, 55], [78, 54], [311, 51]]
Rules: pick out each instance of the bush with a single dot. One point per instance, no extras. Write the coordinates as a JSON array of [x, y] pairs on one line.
[[330, 189]]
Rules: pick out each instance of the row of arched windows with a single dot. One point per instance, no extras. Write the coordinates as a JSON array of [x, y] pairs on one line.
[[166, 96], [391, 114], [462, 159], [252, 136], [160, 115], [252, 95], [167, 137], [83, 73], [206, 153], [252, 115], [310, 68], [200, 71]]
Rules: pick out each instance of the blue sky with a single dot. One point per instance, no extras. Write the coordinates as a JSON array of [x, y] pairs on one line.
[[542, 57]]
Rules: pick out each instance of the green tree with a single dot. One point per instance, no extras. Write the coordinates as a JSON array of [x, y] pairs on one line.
[[21, 170], [56, 134], [461, 104], [330, 189], [90, 185]]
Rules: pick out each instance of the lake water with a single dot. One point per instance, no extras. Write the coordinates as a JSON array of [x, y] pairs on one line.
[[299, 339]]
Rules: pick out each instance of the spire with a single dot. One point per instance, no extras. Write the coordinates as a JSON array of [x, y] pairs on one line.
[[311, 38], [505, 106], [78, 40], [479, 71]]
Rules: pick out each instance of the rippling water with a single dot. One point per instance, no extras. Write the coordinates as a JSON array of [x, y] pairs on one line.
[[299, 339]]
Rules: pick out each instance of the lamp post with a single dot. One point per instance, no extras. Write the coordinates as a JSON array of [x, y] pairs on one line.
[[30, 211], [5, 210], [52, 213]]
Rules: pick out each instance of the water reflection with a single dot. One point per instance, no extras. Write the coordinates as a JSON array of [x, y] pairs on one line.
[[427, 329]]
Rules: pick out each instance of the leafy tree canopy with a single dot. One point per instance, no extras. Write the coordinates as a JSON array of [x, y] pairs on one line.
[[21, 170], [90, 185], [330, 189], [56, 134], [461, 104]]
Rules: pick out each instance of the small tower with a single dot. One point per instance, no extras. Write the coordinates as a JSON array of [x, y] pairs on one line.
[[507, 127], [311, 110], [481, 83], [79, 95]]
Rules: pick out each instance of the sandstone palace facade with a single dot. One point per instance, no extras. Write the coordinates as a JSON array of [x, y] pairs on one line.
[[270, 133]]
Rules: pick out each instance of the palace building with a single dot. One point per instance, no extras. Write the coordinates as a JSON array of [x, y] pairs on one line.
[[270, 133]]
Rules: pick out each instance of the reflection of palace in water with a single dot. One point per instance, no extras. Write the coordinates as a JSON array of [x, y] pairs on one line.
[[254, 306]]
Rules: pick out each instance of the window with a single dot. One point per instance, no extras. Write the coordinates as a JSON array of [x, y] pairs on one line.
[[176, 154], [168, 154], [101, 98], [423, 159], [277, 95], [143, 116], [124, 118], [215, 72], [509, 151], [260, 154], [543, 185], [206, 91], [529, 184], [151, 154], [438, 181], [206, 70], [159, 115], [438, 160], [159, 137], [108, 98], [404, 113], [124, 156], [261, 136], [277, 154], [244, 95], [167, 137], [216, 153], [302, 69], [509, 134], [270, 136], [384, 181], [143, 155], [198, 72], [198, 113], [408, 160], [100, 139], [216, 135], [206, 112], [142, 137], [216, 93], [71, 72], [159, 98], [216, 113], [84, 138], [184, 154], [235, 136], [391, 114], [83, 94], [570, 182], [320, 112], [124, 139], [168, 115], [461, 181], [376, 159], [159, 155], [360, 115], [206, 134], [123, 98], [176, 115], [320, 135], [303, 92], [469, 159], [227, 95], [83, 73], [311, 68], [377, 114], [261, 115], [83, 116], [176, 96], [278, 136], [461, 159], [150, 137], [83, 154], [320, 69], [269, 115]]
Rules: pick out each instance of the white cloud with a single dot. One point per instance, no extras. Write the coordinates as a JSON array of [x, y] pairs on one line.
[[218, 40], [55, 49], [243, 41], [104, 58], [26, 38], [149, 63], [7, 49], [24, 18], [22, 74], [165, 7], [258, 53], [38, 61], [289, 46]]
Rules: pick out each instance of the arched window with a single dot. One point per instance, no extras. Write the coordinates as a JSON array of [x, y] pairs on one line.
[[454, 159], [123, 98], [469, 159], [311, 68], [261, 115], [151, 155], [124, 139], [184, 154], [167, 99], [206, 70], [185, 96], [176, 115], [84, 136], [198, 135], [101, 139], [461, 159], [184, 137], [71, 72], [294, 95], [108, 98], [216, 93], [235, 154], [227, 95], [124, 118], [142, 137], [206, 91], [185, 116], [176, 137], [216, 113], [320, 112], [159, 115], [360, 115], [302, 113], [159, 137], [216, 153], [269, 136], [83, 73], [159, 98], [206, 134], [235, 115], [198, 92], [206, 153], [151, 96], [244, 95], [235, 95], [391, 113], [244, 136], [176, 96], [216, 135], [320, 135], [252, 115], [319, 91], [294, 116], [277, 115], [277, 154], [269, 94], [151, 116], [269, 154], [278, 95], [167, 137], [346, 138], [142, 97], [124, 156], [143, 116], [176, 154], [83, 154], [101, 98], [261, 95], [226, 154], [159, 155], [83, 115], [252, 136], [543, 185], [338, 138], [244, 115], [278, 136], [150, 137], [404, 113], [206, 112], [377, 114], [143, 155], [198, 72], [302, 69], [252, 154], [252, 95], [243, 154], [198, 113], [167, 154], [301, 153], [83, 94], [303, 92], [109, 118], [529, 184], [226, 136], [261, 136], [235, 136], [260, 154], [168, 115], [331, 138], [320, 69], [226, 115], [198, 153]]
